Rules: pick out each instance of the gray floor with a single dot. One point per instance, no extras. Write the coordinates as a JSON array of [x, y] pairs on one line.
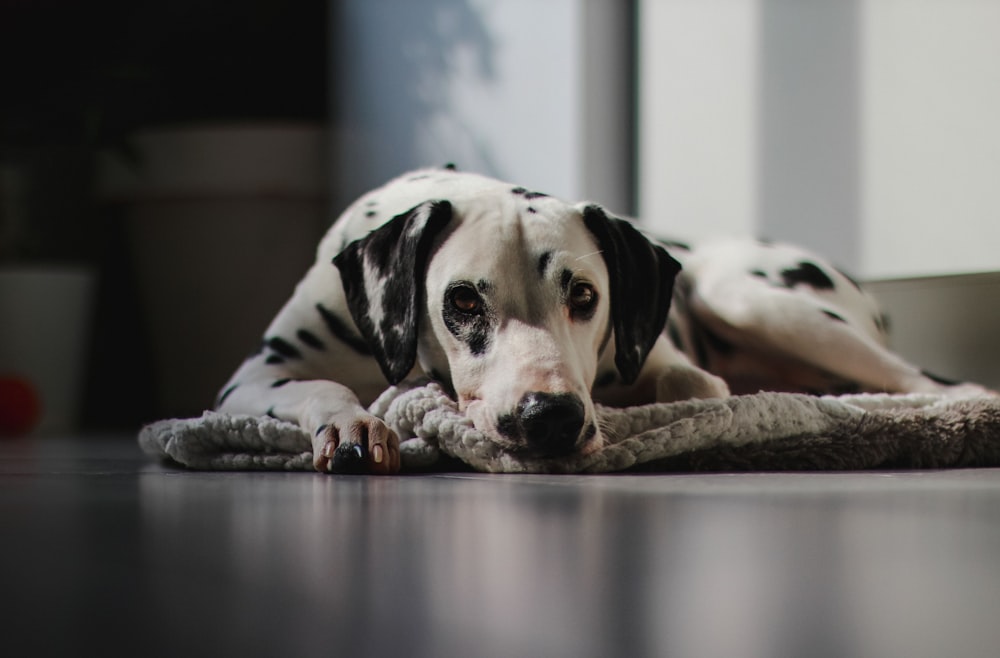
[[104, 553]]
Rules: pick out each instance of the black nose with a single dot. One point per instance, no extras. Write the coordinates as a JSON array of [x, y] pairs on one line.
[[551, 422]]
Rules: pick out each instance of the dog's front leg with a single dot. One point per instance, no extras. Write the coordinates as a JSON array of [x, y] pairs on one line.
[[666, 376], [676, 378], [345, 437]]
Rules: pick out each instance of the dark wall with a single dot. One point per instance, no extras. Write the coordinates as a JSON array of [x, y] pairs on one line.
[[77, 77], [73, 70]]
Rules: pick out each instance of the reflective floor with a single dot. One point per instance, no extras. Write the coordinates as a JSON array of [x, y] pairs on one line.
[[105, 553]]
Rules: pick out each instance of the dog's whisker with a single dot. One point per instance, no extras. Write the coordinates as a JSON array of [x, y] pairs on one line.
[[593, 253], [607, 430]]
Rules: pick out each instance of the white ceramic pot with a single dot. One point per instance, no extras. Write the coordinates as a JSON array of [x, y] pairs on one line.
[[45, 322]]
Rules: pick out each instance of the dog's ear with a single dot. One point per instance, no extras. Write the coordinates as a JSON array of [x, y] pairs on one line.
[[642, 282], [383, 276]]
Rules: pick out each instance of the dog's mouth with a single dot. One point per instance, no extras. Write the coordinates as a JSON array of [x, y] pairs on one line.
[[542, 426]]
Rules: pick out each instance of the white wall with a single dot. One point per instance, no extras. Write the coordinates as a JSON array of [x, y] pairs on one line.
[[865, 129], [528, 91], [697, 135], [931, 103]]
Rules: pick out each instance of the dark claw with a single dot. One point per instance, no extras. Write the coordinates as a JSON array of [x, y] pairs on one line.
[[349, 459]]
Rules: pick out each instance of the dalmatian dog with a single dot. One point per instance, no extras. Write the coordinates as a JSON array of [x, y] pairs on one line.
[[529, 309]]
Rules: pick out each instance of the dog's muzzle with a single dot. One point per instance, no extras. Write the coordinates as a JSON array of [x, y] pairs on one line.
[[549, 424]]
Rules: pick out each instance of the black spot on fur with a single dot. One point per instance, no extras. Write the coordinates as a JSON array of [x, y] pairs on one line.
[[274, 359], [882, 322], [565, 279], [674, 334], [700, 352], [370, 213], [321, 429], [342, 332], [371, 202], [477, 335], [284, 348], [418, 177], [543, 263], [834, 316], [278, 383], [809, 274], [485, 287], [450, 166], [270, 413], [944, 381], [437, 376], [674, 244], [310, 339], [717, 343], [605, 379], [520, 191], [532, 210], [225, 394], [758, 273]]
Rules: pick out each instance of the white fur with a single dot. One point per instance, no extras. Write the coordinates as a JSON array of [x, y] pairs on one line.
[[780, 337]]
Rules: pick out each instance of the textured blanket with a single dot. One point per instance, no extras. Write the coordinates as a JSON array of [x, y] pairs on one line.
[[766, 431]]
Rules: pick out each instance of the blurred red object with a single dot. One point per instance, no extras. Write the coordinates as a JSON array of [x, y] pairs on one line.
[[20, 406]]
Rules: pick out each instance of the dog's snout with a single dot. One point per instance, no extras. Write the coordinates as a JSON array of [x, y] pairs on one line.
[[551, 422]]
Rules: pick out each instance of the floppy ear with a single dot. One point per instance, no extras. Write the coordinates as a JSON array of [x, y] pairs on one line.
[[642, 283], [383, 276]]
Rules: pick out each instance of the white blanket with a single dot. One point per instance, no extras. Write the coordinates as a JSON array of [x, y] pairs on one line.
[[766, 431]]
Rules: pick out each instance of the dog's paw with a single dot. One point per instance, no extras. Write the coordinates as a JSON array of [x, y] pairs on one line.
[[682, 382], [356, 444]]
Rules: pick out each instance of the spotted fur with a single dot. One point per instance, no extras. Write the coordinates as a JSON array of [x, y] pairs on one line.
[[529, 310], [772, 316]]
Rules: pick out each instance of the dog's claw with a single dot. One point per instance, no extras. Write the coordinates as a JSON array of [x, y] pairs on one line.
[[349, 458]]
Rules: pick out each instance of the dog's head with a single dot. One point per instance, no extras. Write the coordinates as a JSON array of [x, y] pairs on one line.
[[513, 306]]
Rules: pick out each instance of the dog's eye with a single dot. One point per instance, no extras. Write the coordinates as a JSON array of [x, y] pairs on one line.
[[465, 299], [582, 296]]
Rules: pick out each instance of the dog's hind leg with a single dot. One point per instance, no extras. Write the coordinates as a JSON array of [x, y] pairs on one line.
[[782, 326]]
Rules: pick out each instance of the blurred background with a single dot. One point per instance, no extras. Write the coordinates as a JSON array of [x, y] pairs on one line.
[[167, 168]]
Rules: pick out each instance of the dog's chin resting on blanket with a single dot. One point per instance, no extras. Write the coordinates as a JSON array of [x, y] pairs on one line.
[[531, 315]]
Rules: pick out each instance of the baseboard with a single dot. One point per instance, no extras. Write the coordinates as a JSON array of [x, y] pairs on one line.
[[949, 325]]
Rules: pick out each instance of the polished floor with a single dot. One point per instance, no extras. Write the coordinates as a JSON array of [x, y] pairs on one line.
[[104, 553]]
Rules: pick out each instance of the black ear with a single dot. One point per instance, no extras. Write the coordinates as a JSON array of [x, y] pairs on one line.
[[642, 283], [383, 276]]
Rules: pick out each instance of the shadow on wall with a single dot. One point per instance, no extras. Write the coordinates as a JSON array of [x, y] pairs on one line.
[[400, 56]]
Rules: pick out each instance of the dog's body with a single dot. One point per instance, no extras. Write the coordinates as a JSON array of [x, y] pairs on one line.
[[529, 310]]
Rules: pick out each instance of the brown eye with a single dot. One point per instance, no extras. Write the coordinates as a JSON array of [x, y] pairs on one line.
[[465, 299], [582, 296]]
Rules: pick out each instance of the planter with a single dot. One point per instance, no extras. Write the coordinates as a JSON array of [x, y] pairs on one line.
[[222, 222], [45, 319]]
